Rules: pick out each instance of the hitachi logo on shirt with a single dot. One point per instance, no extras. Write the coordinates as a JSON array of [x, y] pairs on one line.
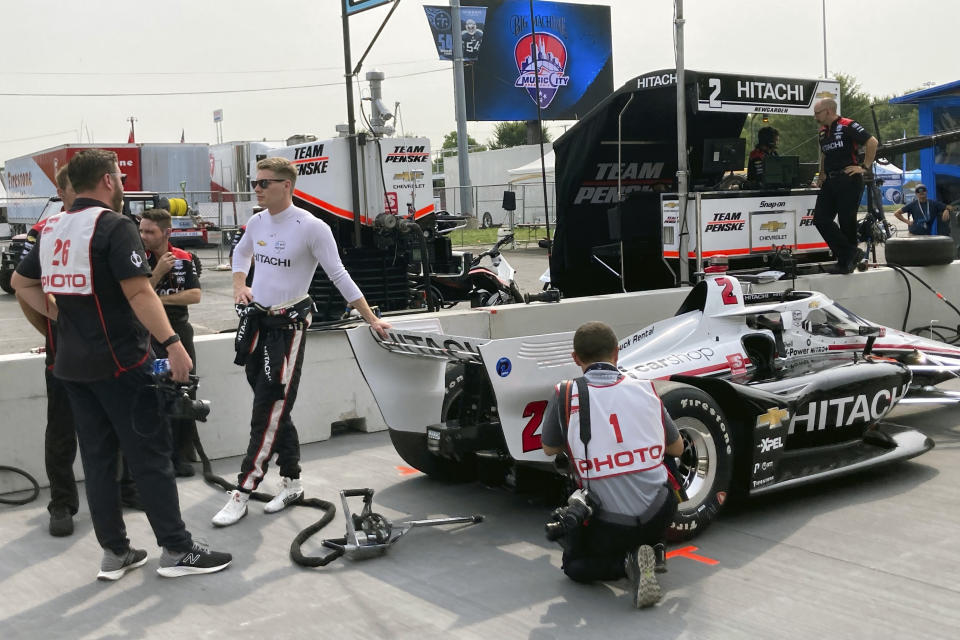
[[843, 412], [276, 262]]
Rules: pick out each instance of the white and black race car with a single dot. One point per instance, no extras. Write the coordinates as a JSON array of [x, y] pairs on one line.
[[769, 390]]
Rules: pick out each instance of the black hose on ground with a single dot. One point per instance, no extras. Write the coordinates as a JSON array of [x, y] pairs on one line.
[[328, 508], [33, 495]]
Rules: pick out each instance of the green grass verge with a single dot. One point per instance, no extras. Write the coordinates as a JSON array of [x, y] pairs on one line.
[[488, 237]]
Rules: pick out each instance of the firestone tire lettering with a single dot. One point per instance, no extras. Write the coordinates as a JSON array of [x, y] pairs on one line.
[[701, 422]]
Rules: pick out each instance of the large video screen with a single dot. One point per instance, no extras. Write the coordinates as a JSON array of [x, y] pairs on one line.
[[574, 58]]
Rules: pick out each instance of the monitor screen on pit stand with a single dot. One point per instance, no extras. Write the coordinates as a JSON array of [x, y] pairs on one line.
[[780, 172], [723, 154]]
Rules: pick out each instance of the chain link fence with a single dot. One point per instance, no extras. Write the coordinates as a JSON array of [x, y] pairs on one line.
[[488, 203]]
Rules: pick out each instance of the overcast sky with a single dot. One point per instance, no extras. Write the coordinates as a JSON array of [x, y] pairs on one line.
[[202, 46]]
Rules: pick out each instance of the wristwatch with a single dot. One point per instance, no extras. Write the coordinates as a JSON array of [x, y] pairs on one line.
[[169, 341]]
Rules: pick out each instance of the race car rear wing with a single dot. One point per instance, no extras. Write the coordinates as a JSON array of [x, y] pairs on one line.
[[407, 375]]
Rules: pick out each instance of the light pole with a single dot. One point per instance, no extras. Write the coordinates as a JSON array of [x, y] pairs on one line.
[[823, 8]]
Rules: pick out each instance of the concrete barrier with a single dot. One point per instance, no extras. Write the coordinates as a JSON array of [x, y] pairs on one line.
[[333, 389]]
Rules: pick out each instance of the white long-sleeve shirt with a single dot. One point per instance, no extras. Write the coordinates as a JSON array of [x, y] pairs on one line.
[[286, 248]]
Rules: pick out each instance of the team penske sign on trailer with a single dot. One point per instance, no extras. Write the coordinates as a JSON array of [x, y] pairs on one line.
[[397, 176]]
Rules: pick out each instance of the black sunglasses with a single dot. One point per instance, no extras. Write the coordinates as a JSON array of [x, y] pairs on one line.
[[920, 191], [265, 182]]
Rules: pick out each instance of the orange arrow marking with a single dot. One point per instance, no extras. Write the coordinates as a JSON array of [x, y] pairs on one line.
[[688, 552]]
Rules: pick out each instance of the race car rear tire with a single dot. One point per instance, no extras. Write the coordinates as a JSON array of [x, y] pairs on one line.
[[920, 251], [706, 464], [412, 446], [5, 277]]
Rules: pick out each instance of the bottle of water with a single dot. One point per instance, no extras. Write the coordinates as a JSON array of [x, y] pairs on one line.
[[161, 367]]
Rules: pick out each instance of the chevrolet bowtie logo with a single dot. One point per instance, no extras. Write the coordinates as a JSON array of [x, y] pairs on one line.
[[408, 176], [773, 226], [773, 418]]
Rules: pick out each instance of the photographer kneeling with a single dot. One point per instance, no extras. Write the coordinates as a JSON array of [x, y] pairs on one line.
[[616, 448]]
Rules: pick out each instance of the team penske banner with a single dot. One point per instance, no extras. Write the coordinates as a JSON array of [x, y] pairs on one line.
[[351, 7], [400, 164], [762, 94]]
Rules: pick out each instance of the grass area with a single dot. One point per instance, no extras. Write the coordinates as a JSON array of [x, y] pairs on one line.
[[488, 237]]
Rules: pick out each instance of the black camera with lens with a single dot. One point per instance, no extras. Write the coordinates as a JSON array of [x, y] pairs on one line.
[[177, 399], [564, 520]]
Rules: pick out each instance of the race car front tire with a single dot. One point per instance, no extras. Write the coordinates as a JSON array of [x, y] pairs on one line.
[[706, 464]]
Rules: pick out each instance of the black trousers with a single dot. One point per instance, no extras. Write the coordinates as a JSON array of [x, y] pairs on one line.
[[121, 414], [598, 549], [271, 429], [60, 447], [839, 198]]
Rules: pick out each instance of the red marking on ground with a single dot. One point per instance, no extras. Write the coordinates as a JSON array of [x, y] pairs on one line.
[[406, 471], [688, 552]]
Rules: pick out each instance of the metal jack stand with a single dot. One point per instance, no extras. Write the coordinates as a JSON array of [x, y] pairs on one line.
[[369, 534]]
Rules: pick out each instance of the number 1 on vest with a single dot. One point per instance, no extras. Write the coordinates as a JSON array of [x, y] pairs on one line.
[[616, 427]]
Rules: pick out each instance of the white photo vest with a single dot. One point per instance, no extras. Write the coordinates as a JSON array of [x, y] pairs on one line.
[[65, 261], [627, 433]]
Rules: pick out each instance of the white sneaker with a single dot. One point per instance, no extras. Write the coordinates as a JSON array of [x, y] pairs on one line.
[[290, 491], [235, 509]]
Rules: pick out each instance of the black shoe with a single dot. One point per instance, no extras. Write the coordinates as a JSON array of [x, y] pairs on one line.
[[183, 469], [660, 558], [198, 560], [837, 268], [61, 522]]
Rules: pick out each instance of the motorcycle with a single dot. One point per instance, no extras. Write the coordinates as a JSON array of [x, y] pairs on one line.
[[482, 285]]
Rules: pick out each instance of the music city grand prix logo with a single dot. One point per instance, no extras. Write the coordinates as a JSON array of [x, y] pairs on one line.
[[550, 63]]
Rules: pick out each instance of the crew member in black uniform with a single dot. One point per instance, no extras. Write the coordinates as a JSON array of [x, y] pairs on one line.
[[60, 437], [841, 182], [92, 262], [177, 286], [767, 140]]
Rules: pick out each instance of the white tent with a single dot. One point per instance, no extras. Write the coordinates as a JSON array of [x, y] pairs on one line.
[[532, 171]]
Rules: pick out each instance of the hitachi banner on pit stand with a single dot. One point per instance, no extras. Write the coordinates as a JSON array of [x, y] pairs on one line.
[[395, 177]]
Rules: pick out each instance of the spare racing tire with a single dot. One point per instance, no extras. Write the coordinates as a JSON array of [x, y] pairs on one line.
[[920, 251], [706, 464]]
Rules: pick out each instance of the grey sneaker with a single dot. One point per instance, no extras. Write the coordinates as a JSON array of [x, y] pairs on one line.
[[113, 566], [200, 559], [639, 565]]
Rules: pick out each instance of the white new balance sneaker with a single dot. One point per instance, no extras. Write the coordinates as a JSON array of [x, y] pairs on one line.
[[290, 490], [235, 509]]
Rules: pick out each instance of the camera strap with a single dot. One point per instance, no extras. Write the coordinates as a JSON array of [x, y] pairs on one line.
[[583, 403]]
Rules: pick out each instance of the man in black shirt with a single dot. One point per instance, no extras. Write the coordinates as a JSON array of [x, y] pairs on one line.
[[177, 285], [841, 182], [91, 260]]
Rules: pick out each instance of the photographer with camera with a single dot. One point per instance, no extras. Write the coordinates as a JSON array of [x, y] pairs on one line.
[[177, 285], [91, 260], [616, 449]]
